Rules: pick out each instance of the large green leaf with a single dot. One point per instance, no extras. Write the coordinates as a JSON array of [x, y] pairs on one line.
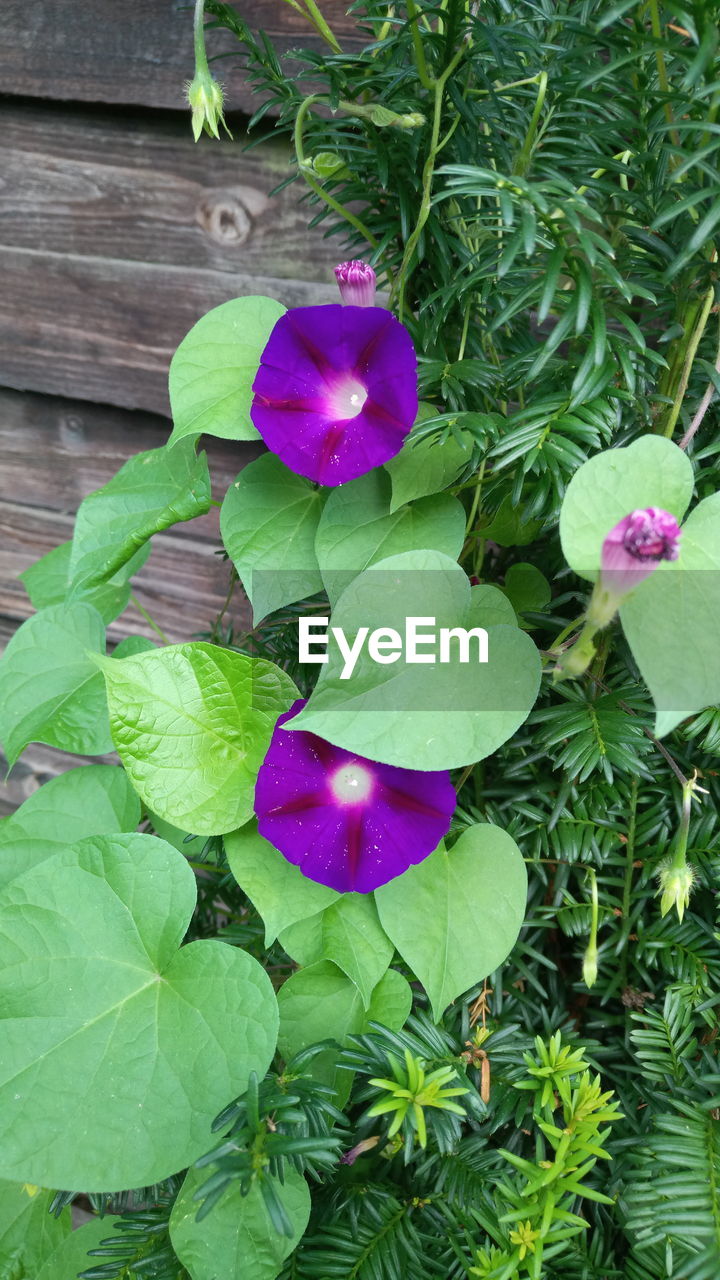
[[357, 528], [423, 465], [321, 1003], [92, 801], [71, 1256], [455, 917], [29, 1234], [192, 723], [651, 472], [421, 716], [150, 492], [118, 1048], [268, 523], [672, 622], [354, 940], [237, 1238], [213, 369], [47, 582], [50, 688], [278, 890]]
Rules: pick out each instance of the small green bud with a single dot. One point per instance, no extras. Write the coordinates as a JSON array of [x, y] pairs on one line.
[[676, 885], [205, 97], [590, 965]]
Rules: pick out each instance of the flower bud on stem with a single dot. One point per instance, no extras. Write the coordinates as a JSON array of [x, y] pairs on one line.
[[204, 94], [675, 875]]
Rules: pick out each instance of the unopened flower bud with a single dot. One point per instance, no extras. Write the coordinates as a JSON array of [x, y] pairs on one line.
[[356, 282], [676, 884], [590, 965], [632, 551], [205, 96]]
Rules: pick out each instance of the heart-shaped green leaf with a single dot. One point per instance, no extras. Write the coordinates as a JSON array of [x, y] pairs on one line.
[[423, 465], [357, 528], [456, 916], [268, 523], [150, 492], [191, 724], [421, 716], [71, 1255], [50, 688], [213, 369], [118, 1048], [354, 940], [672, 622], [47, 582], [29, 1233], [651, 472], [321, 1003], [278, 890], [237, 1238]]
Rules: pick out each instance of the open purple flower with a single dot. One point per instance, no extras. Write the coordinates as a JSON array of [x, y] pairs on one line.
[[345, 821], [635, 547], [336, 391]]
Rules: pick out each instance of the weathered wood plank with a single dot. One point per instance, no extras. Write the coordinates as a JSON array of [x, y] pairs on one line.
[[138, 52], [95, 184], [54, 453], [105, 330]]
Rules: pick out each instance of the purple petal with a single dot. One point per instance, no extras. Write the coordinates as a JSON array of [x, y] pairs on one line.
[[635, 546], [356, 282], [345, 821], [336, 391]]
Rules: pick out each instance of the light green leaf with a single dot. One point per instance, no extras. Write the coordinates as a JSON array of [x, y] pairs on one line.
[[94, 800], [421, 716], [527, 588], [50, 689], [651, 472], [191, 724], [132, 645], [213, 369], [278, 890], [47, 582], [190, 846], [354, 940], [29, 1234], [423, 465], [118, 1048], [490, 607], [455, 917], [508, 528], [357, 529], [672, 622], [150, 492], [71, 1256], [237, 1238], [303, 940], [321, 1003], [268, 523]]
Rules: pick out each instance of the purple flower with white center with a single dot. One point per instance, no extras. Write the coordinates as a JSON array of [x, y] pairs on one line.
[[356, 282], [635, 547], [336, 391], [345, 821]]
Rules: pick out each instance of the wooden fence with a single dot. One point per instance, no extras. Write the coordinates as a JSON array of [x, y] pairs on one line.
[[117, 232]]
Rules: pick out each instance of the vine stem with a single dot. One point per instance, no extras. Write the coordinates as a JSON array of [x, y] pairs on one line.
[[703, 406], [319, 190], [149, 619], [201, 62], [428, 173], [661, 68], [691, 347]]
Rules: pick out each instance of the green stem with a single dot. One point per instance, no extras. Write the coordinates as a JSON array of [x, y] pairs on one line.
[[422, 70], [339, 208], [321, 26], [703, 406], [692, 344], [622, 946], [201, 62], [522, 163], [150, 621], [661, 68], [428, 174]]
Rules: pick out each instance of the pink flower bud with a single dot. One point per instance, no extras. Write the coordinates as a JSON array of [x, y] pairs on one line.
[[635, 547], [356, 281]]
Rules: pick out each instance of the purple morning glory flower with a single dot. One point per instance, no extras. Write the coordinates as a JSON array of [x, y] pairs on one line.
[[336, 391], [345, 821], [356, 282], [635, 547]]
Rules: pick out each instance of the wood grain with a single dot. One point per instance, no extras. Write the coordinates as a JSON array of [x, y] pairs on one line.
[[115, 239], [54, 453], [138, 51]]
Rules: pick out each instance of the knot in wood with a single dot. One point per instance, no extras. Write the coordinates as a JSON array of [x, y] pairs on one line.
[[224, 217]]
